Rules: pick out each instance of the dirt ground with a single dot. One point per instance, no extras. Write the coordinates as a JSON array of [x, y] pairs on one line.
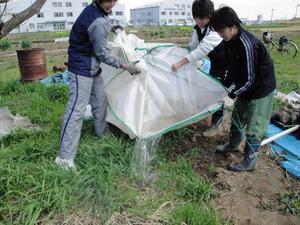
[[249, 198]]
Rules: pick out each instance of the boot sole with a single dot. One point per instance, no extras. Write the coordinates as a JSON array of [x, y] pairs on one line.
[[236, 170]]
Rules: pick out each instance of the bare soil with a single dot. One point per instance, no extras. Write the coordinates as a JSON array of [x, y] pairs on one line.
[[248, 198]]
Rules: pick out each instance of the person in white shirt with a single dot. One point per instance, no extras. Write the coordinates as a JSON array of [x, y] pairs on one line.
[[206, 43]]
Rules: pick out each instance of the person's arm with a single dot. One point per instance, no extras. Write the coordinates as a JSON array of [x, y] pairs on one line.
[[194, 42], [179, 64], [247, 65], [209, 42], [98, 35]]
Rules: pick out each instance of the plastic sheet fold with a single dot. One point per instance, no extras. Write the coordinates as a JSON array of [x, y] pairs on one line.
[[157, 100]]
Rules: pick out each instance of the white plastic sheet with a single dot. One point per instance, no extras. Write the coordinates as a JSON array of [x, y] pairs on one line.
[[291, 98], [157, 100], [9, 122]]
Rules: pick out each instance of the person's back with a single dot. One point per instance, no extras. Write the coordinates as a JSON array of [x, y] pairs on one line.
[[88, 42], [80, 48], [246, 48]]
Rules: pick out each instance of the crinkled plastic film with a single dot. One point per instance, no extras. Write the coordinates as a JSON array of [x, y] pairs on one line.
[[157, 100]]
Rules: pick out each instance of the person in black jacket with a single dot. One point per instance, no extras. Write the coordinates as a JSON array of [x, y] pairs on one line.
[[206, 42], [251, 69]]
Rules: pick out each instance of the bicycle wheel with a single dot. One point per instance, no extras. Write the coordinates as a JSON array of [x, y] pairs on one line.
[[289, 49]]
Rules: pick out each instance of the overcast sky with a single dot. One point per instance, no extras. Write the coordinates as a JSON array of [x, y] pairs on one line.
[[283, 9], [245, 9]]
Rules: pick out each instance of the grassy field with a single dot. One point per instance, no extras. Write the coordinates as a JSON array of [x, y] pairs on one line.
[[286, 68], [103, 190], [35, 191]]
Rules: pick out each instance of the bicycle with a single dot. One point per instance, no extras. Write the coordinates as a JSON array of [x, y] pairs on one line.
[[284, 45]]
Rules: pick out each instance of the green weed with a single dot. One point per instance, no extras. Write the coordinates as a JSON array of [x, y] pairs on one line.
[[193, 214], [292, 203], [185, 182]]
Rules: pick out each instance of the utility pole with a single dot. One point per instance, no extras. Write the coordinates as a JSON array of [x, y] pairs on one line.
[[297, 10], [272, 11]]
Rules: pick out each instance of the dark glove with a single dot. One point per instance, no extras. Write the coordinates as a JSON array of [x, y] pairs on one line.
[[116, 27], [132, 69]]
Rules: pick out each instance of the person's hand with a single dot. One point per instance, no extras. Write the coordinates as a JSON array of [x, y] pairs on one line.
[[179, 64], [131, 68], [227, 102], [176, 67], [115, 28]]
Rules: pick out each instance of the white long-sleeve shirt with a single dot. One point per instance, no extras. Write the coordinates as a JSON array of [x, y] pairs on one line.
[[205, 46]]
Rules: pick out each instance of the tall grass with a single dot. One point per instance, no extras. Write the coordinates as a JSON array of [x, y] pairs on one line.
[[33, 190]]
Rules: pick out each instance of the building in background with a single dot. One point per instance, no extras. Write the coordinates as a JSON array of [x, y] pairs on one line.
[[170, 12], [56, 15], [259, 19], [245, 21]]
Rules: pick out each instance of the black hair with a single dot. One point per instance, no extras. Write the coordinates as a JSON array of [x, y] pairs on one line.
[[224, 17], [100, 1], [202, 9]]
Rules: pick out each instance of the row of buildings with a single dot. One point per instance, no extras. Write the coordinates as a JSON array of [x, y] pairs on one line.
[[57, 15], [172, 12]]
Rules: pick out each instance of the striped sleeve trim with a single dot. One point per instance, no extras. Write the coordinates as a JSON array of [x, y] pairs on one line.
[[250, 62]]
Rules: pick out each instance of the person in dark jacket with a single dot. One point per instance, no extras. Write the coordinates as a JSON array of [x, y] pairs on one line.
[[88, 47], [251, 69], [206, 42]]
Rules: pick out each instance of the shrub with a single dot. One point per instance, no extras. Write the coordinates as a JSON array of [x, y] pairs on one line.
[[5, 44], [26, 44]]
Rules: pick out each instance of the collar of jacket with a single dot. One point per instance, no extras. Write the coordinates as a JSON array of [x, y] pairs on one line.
[[201, 33], [196, 27], [100, 8], [236, 38], [240, 30]]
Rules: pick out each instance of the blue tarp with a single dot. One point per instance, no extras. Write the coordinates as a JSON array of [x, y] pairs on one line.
[[58, 78], [206, 66], [288, 147]]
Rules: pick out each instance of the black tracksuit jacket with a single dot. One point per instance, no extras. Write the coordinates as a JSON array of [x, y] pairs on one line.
[[250, 67]]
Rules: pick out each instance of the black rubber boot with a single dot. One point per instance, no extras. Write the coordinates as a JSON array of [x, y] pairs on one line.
[[233, 145], [216, 120], [249, 161]]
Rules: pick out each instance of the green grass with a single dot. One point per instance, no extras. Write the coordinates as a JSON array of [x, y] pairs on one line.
[[194, 214], [287, 68], [267, 26], [10, 69], [33, 190], [39, 36]]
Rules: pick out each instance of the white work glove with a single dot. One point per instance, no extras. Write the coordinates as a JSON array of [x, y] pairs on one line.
[[131, 68], [227, 102]]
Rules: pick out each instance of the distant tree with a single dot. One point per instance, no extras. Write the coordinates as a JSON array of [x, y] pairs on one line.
[[17, 19]]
